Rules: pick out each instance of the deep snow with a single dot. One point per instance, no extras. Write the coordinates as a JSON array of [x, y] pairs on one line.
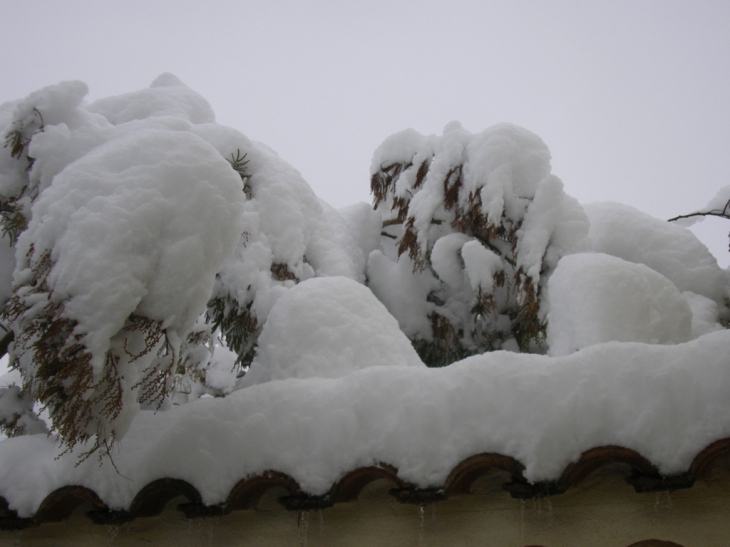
[[136, 202]]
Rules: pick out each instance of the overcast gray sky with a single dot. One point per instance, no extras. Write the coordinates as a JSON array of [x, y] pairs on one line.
[[631, 96]]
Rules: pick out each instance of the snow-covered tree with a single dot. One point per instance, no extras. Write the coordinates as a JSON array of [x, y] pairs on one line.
[[288, 236], [148, 245], [472, 227], [120, 222]]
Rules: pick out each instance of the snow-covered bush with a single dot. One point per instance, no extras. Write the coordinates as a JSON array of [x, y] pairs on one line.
[[473, 225], [288, 236], [126, 228], [150, 255], [146, 237]]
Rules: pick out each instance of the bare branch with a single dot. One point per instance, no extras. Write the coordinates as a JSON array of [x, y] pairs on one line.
[[724, 213]]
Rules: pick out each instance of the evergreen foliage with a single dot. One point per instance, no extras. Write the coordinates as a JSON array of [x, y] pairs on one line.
[[238, 163]]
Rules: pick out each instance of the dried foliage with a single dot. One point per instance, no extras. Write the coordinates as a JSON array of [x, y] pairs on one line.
[[12, 216], [18, 138], [155, 383], [281, 272], [238, 324], [82, 406], [382, 183], [445, 347], [510, 310]]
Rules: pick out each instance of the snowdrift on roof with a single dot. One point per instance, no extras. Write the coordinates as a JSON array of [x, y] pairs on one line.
[[147, 236], [665, 402]]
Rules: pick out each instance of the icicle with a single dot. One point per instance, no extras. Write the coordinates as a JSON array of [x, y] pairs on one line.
[[209, 525], [303, 525], [421, 524], [320, 514], [550, 510], [522, 522], [112, 532], [658, 501], [18, 535]]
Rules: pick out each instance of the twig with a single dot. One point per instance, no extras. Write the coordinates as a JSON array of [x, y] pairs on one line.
[[724, 213]]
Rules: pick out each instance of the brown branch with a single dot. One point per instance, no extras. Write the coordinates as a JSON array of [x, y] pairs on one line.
[[394, 221]]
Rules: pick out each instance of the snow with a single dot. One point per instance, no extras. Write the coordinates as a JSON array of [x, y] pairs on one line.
[[403, 291], [597, 298], [482, 208], [665, 402], [220, 372], [446, 260], [480, 264], [140, 224], [671, 250], [132, 220], [555, 225], [142, 209], [166, 96], [328, 328]]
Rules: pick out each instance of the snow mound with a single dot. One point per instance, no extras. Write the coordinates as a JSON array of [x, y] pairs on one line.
[[166, 96], [671, 250], [328, 328], [704, 314], [597, 298], [141, 207]]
